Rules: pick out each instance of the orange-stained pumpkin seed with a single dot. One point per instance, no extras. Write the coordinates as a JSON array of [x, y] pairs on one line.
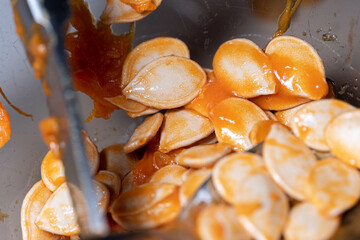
[[193, 181], [111, 180], [244, 68], [31, 207], [141, 198], [127, 182], [203, 155], [333, 186], [263, 209], [52, 171], [183, 127], [172, 174], [58, 215], [219, 222], [208, 140], [92, 153], [298, 67], [233, 119], [141, 6], [168, 82], [306, 223], [148, 51], [309, 122], [160, 213], [286, 116], [288, 160], [231, 171], [299, 72], [118, 12], [260, 130], [144, 132], [102, 195], [114, 159], [127, 104], [52, 168], [342, 135], [147, 111]]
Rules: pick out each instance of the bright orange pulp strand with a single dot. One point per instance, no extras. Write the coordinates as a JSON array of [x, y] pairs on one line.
[[152, 161], [49, 129], [211, 94], [96, 58], [5, 130]]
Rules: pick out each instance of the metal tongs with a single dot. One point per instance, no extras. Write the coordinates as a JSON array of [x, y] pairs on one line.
[[51, 18]]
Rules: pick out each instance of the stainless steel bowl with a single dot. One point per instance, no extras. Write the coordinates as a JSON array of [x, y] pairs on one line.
[[331, 26]]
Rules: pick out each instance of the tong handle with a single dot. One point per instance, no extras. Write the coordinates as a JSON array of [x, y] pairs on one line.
[[52, 16]]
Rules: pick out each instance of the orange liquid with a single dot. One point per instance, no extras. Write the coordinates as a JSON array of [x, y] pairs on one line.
[[96, 58], [145, 168], [152, 161], [211, 94], [284, 20]]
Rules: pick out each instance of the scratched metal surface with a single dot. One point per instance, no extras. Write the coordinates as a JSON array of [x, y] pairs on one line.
[[203, 25]]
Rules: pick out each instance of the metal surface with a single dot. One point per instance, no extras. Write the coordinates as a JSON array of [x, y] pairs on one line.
[[63, 105], [203, 25]]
